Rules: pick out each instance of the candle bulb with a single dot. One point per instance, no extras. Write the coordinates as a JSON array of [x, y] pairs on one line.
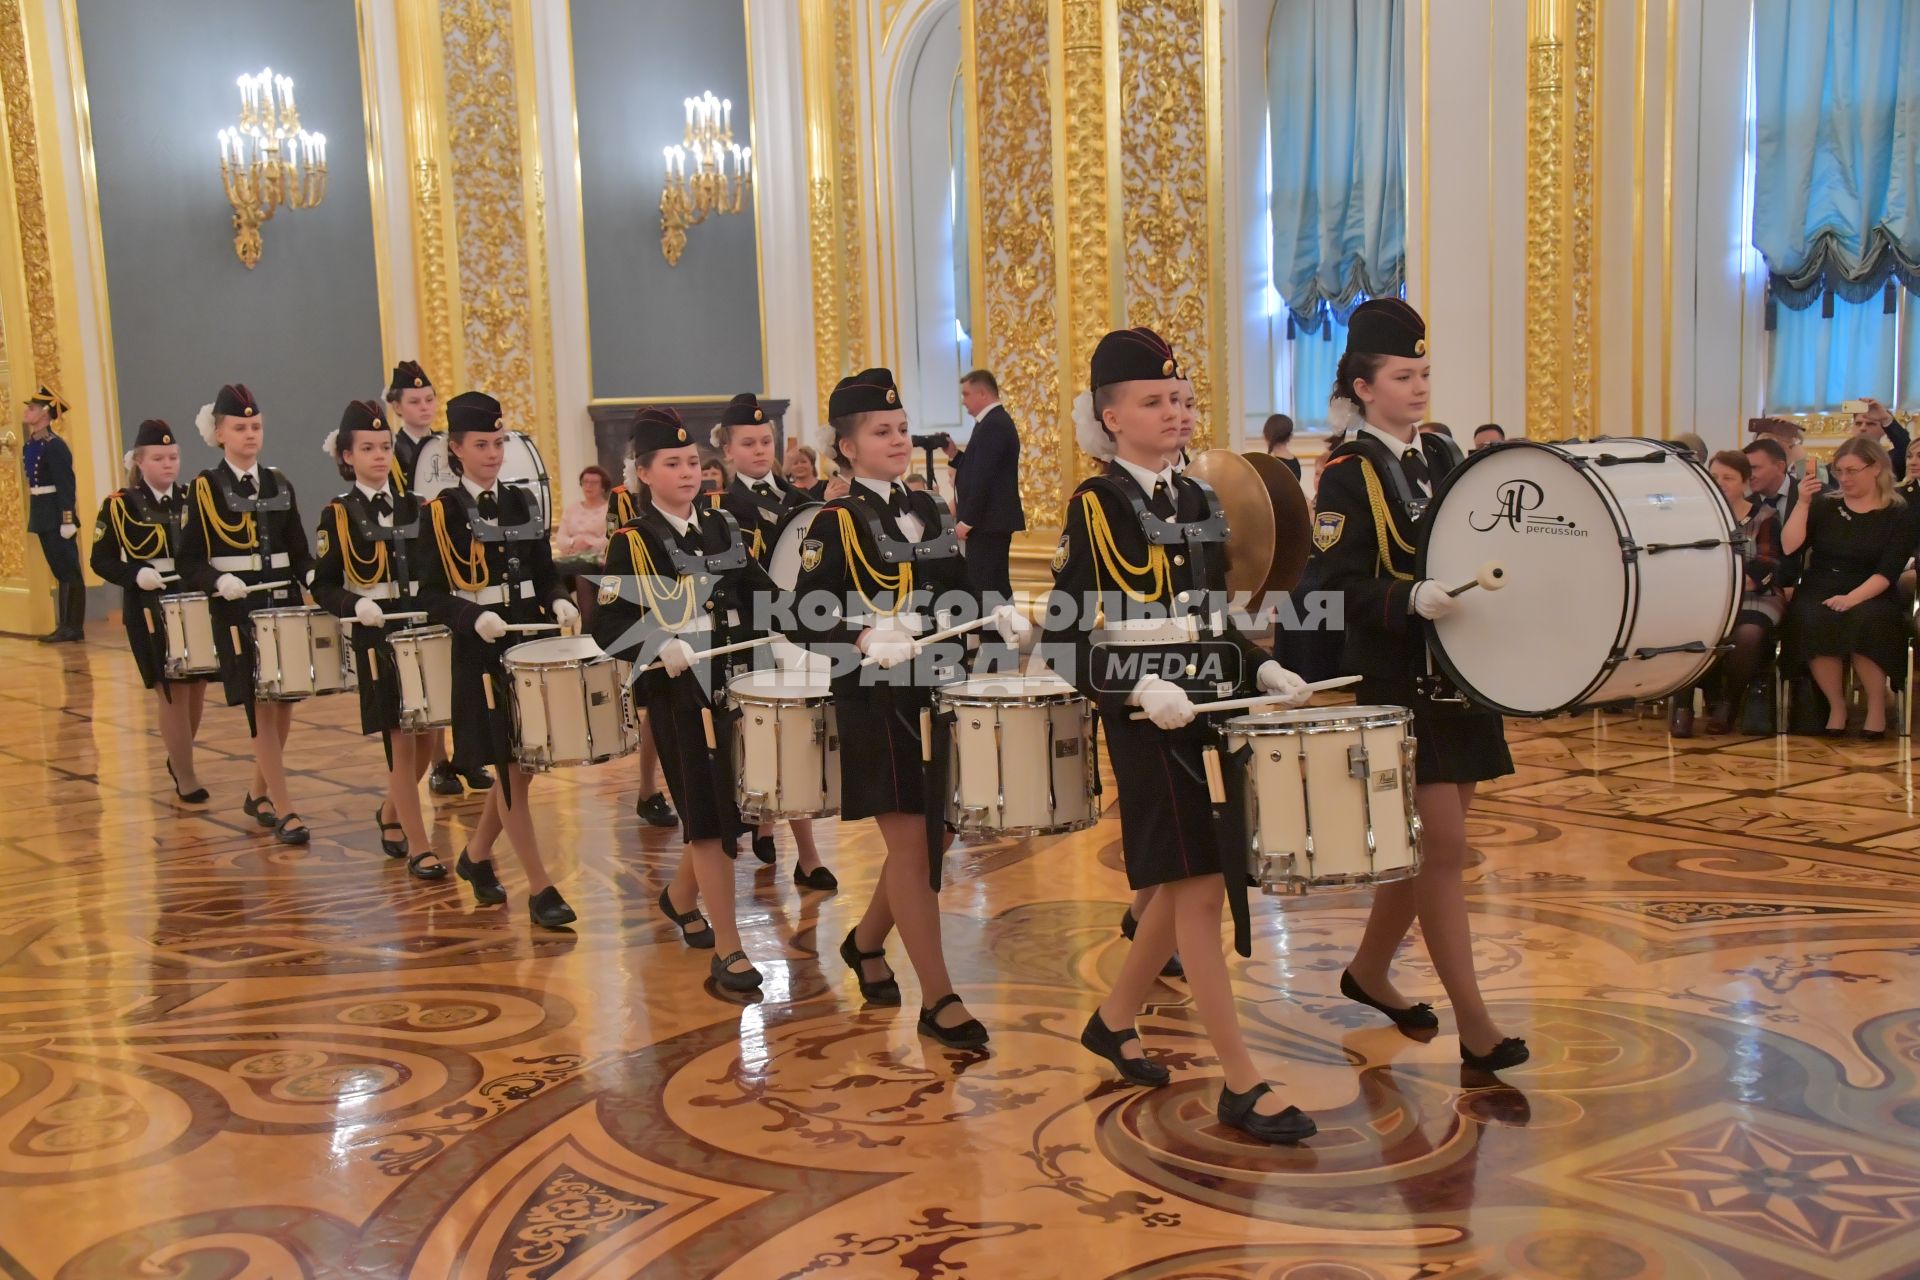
[[726, 108]]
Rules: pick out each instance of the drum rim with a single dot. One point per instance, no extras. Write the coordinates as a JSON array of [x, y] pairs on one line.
[[756, 697], [416, 634], [1257, 725], [1064, 698], [554, 664], [1024, 833], [1630, 600]]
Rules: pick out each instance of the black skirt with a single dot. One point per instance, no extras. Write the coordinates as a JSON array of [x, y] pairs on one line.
[[700, 778], [482, 702], [880, 766], [1166, 819], [1454, 743], [1876, 630], [378, 680]]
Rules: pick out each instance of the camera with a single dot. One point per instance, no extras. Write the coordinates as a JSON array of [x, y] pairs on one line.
[[936, 440]]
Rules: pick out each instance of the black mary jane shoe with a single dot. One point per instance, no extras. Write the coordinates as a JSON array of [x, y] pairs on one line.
[[881, 990], [1172, 968], [444, 780], [730, 979], [700, 939], [763, 849], [477, 779], [1416, 1017], [196, 796], [966, 1035], [392, 848], [287, 834], [261, 810], [1509, 1053], [420, 869], [1104, 1040], [1236, 1112], [655, 811], [487, 890], [549, 910], [819, 878]]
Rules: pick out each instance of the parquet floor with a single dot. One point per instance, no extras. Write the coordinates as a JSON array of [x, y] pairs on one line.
[[220, 1058]]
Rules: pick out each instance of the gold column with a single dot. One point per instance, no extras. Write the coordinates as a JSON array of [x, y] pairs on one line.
[[1562, 55], [837, 244]]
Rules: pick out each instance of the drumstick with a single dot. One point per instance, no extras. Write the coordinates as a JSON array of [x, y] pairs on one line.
[[1265, 699], [703, 654], [938, 636], [267, 586], [706, 724], [1216, 783], [533, 626], [1492, 577]]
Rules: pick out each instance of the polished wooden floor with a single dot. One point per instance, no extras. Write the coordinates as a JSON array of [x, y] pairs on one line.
[[222, 1058]]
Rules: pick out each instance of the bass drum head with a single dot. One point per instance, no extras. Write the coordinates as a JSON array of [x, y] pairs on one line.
[[520, 465], [433, 468], [783, 562], [1539, 644]]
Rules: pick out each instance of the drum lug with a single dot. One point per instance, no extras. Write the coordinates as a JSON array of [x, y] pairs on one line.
[[1357, 766], [1277, 878]]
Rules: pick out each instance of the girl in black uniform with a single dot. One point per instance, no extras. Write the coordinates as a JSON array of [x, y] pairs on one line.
[[1140, 589], [484, 563], [135, 541], [677, 579], [1368, 524], [877, 566], [366, 544], [243, 529]]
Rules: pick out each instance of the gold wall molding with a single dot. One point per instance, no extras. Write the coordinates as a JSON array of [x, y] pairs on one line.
[[1086, 192], [436, 281], [1583, 240], [1562, 176], [835, 212], [30, 198]]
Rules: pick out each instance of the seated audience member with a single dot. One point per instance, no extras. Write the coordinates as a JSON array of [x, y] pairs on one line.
[[714, 477], [1877, 424], [1486, 434], [1278, 434], [803, 470], [1760, 602], [1771, 485], [1845, 609], [583, 527]]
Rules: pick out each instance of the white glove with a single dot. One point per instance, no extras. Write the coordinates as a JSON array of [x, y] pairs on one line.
[[676, 657], [1012, 625], [1431, 601], [366, 612], [228, 587], [68, 530], [148, 579], [489, 626], [1165, 703], [887, 646], [1276, 679], [565, 614]]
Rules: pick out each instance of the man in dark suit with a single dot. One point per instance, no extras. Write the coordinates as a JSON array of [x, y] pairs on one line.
[[1876, 422], [986, 478]]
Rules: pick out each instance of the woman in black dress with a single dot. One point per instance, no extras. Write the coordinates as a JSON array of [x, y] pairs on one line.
[[1845, 609], [1369, 520], [134, 544], [366, 570], [1760, 603]]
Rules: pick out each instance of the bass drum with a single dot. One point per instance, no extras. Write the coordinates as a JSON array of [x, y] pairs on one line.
[[1624, 570], [783, 562], [521, 466]]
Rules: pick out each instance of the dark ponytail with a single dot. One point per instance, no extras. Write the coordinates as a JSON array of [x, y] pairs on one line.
[[1355, 366]]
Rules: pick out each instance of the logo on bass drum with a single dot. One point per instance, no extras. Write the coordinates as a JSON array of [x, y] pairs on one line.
[[1515, 504]]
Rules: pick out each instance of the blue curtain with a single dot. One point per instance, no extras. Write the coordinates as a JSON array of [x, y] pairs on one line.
[[1814, 364], [1335, 112], [1837, 128], [1315, 356]]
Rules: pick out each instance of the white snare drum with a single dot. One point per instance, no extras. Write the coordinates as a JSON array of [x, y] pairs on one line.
[[1623, 573], [1020, 760], [569, 706], [786, 745], [520, 464], [783, 562], [298, 653], [423, 663], [186, 620], [1329, 796]]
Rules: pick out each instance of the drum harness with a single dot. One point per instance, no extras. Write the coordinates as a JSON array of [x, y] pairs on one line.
[[259, 533]]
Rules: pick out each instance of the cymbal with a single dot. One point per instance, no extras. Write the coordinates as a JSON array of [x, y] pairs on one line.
[[1267, 511]]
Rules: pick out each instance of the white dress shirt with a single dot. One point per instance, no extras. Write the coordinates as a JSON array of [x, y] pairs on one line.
[[912, 528], [1148, 479]]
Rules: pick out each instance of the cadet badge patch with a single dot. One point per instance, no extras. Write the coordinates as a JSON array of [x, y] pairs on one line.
[[1326, 529], [609, 589], [100, 529], [1060, 554], [810, 554], [324, 542]]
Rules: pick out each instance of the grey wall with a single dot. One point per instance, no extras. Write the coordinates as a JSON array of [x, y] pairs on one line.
[[657, 330], [302, 329]]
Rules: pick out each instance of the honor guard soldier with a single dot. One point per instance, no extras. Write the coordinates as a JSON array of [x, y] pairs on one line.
[[367, 542], [244, 542], [1138, 622], [135, 544], [485, 563], [1368, 525], [763, 505], [50, 516]]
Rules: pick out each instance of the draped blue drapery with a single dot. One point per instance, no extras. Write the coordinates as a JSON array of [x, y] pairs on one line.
[[1836, 204], [1336, 120], [1816, 364], [1315, 357]]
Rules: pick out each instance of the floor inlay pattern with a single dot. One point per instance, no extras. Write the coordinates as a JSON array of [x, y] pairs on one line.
[[221, 1058]]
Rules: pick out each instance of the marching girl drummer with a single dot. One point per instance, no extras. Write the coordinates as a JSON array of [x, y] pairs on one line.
[[135, 541], [680, 578], [366, 543], [243, 531], [1367, 527], [1140, 587], [651, 805], [874, 567], [758, 501], [485, 563]]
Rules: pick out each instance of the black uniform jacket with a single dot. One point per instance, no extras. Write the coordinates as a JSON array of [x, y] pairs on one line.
[[136, 530]]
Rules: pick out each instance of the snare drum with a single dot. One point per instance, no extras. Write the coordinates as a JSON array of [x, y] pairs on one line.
[[1020, 760], [187, 622], [786, 746], [569, 706], [297, 653], [423, 660], [1330, 796]]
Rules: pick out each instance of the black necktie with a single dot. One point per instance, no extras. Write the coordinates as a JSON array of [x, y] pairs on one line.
[[898, 503], [246, 486], [381, 506], [1414, 463], [1161, 504], [764, 489], [489, 505]]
